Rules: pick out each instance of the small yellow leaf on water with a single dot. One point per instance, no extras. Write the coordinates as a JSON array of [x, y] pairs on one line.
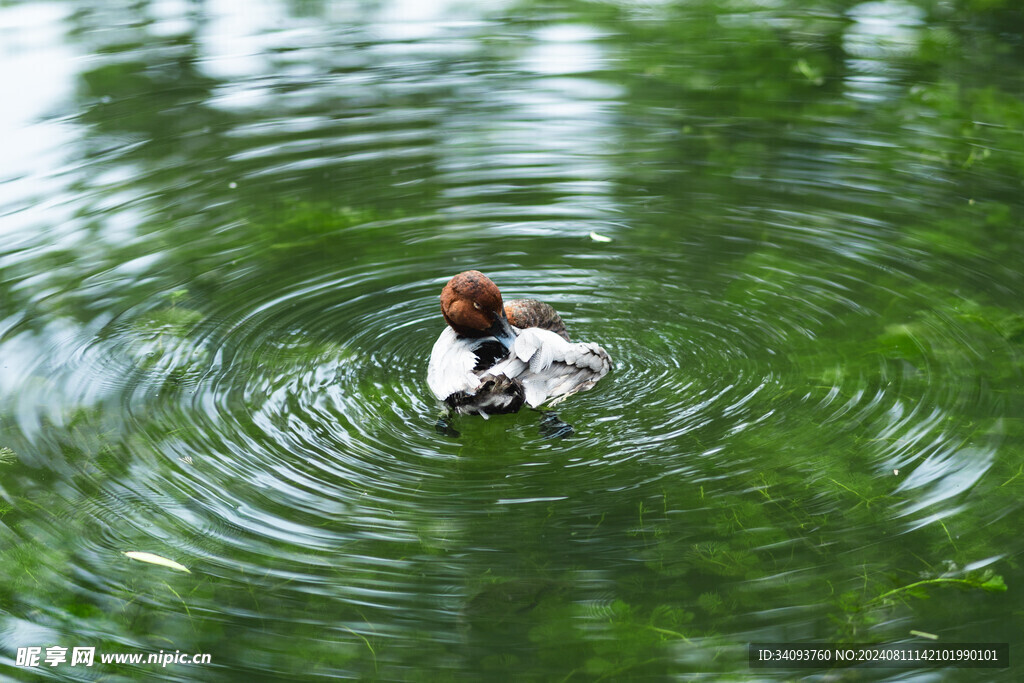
[[156, 559], [599, 238], [923, 634]]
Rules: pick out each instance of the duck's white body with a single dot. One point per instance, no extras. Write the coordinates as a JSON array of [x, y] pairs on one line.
[[485, 375]]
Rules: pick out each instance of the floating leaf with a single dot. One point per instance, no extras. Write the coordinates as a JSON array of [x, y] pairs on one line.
[[599, 238], [156, 559]]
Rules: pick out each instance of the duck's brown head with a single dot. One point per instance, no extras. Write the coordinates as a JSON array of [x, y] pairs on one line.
[[471, 305]]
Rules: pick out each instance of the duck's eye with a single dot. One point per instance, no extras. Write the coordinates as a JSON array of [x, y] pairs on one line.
[[476, 305]]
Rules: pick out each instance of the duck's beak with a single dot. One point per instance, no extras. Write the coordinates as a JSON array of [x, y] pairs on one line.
[[502, 330]]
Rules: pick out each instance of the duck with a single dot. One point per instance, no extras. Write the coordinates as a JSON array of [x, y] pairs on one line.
[[495, 357]]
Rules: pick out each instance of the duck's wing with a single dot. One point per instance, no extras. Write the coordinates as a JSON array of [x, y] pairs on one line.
[[525, 313], [551, 368], [452, 361]]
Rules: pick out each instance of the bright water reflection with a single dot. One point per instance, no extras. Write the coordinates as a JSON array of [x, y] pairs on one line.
[[225, 228]]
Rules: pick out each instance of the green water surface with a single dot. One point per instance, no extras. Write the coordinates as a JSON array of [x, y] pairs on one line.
[[223, 230]]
